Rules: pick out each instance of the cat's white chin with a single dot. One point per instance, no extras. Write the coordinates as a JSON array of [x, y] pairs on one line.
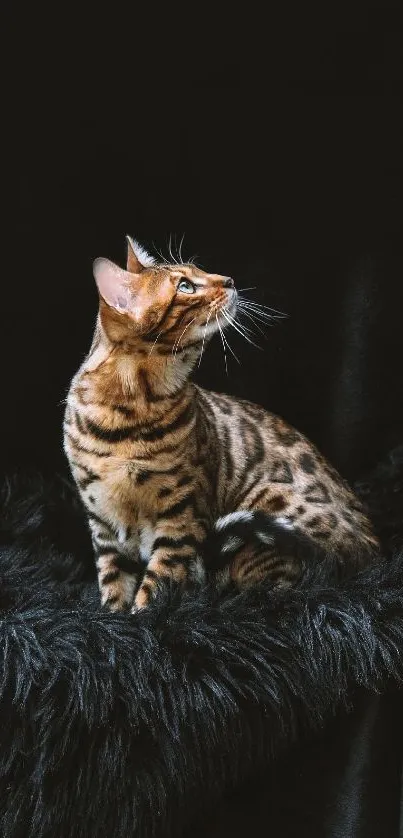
[[206, 332], [218, 320]]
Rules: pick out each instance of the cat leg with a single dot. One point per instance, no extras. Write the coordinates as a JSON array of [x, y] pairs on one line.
[[118, 565], [175, 556]]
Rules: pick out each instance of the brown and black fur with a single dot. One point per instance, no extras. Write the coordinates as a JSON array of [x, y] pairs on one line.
[[157, 460]]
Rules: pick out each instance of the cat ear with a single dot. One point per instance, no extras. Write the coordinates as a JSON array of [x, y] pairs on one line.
[[113, 284], [137, 257]]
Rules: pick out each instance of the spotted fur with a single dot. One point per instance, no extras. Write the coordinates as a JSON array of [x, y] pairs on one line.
[[157, 460]]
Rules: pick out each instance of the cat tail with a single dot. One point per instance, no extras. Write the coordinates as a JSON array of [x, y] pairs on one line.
[[233, 531]]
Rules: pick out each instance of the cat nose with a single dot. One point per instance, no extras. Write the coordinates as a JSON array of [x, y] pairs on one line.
[[228, 282]]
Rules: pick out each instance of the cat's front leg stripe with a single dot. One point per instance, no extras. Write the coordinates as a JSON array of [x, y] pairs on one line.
[[90, 477], [109, 577], [101, 521], [174, 543], [127, 565], [104, 549], [174, 560], [178, 507]]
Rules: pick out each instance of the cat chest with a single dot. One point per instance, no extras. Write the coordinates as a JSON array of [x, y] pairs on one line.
[[124, 491]]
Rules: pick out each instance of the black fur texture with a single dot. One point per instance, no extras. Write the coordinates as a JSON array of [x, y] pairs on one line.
[[118, 725]]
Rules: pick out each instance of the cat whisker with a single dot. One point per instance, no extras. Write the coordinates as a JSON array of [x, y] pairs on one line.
[[180, 321], [228, 345], [170, 249], [158, 252], [238, 328], [261, 315], [225, 341], [257, 307], [251, 288], [235, 320], [155, 342], [204, 336], [177, 342], [165, 259], [180, 249], [255, 316], [223, 344], [255, 323], [261, 307], [265, 321], [175, 250]]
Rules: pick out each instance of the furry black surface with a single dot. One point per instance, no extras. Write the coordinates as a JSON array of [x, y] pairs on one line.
[[118, 725]]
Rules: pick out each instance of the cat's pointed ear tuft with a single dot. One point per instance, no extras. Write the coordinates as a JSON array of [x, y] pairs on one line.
[[113, 284], [137, 257]]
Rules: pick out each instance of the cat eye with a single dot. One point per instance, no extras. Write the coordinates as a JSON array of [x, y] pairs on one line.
[[186, 286]]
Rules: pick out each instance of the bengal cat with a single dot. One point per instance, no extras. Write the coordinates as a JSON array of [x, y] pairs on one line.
[[157, 460]]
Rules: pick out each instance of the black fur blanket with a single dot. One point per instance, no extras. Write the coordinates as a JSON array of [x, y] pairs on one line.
[[117, 725]]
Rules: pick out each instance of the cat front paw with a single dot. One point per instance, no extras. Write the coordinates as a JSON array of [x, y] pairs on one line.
[[114, 606], [141, 600]]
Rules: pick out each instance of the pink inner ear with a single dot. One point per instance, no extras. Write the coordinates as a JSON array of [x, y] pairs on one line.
[[113, 284]]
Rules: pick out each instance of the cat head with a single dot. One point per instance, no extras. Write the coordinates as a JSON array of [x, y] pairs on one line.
[[176, 305]]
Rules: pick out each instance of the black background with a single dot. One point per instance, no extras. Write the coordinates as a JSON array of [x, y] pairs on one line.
[[274, 146]]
